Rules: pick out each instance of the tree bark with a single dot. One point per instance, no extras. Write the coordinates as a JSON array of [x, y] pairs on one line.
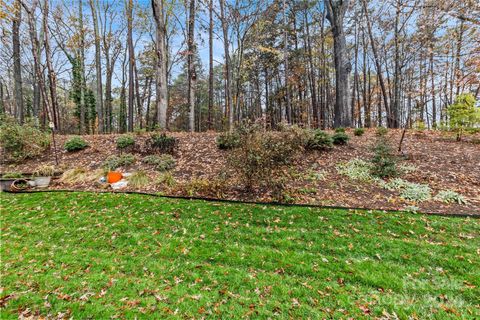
[[192, 77], [131, 58], [288, 111], [98, 69], [228, 95], [161, 64], [17, 69], [52, 79], [81, 57], [210, 64], [335, 14]]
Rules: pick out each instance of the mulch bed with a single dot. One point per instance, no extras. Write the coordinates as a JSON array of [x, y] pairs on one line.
[[441, 162]]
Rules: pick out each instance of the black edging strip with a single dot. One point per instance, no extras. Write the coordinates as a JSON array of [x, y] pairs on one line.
[[272, 203]]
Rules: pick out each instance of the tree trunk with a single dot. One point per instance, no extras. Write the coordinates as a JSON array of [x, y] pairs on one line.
[[288, 111], [397, 73], [98, 68], [17, 69], [52, 79], [131, 57], [336, 12], [210, 64], [192, 77], [161, 64], [82, 69], [228, 95], [313, 80]]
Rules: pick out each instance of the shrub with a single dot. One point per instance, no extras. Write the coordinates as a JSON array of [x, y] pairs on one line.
[[340, 138], [384, 161], [138, 179], [21, 142], [340, 130], [164, 162], [359, 132], [356, 169], [228, 140], [381, 131], [261, 156], [75, 144], [318, 140], [463, 114], [125, 141], [162, 143], [449, 196], [113, 162]]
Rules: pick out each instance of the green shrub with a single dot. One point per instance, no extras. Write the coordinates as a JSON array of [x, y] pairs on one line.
[[384, 160], [340, 130], [164, 162], [449, 196], [381, 131], [21, 142], [359, 132], [318, 140], [340, 138], [75, 144], [356, 169], [228, 140], [162, 143], [114, 162], [125, 141]]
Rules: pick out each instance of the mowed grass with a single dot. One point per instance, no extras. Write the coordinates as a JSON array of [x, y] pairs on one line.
[[86, 255]]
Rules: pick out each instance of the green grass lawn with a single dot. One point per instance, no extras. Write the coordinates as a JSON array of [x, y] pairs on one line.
[[98, 256]]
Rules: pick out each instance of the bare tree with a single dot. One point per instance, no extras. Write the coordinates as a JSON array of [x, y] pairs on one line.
[[335, 14], [161, 63], [98, 67], [192, 76], [228, 94], [131, 61], [17, 69]]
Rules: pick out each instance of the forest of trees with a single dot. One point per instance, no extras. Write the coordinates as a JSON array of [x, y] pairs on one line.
[[108, 66]]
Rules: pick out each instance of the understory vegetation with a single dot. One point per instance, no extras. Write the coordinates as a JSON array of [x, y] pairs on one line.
[[19, 142], [117, 255]]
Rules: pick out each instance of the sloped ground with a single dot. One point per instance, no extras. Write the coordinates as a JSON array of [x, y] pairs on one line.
[[439, 160], [121, 256]]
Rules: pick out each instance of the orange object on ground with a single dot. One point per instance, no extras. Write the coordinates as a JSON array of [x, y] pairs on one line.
[[114, 176]]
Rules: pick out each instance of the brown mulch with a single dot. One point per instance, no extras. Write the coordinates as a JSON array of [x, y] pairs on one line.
[[441, 162]]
